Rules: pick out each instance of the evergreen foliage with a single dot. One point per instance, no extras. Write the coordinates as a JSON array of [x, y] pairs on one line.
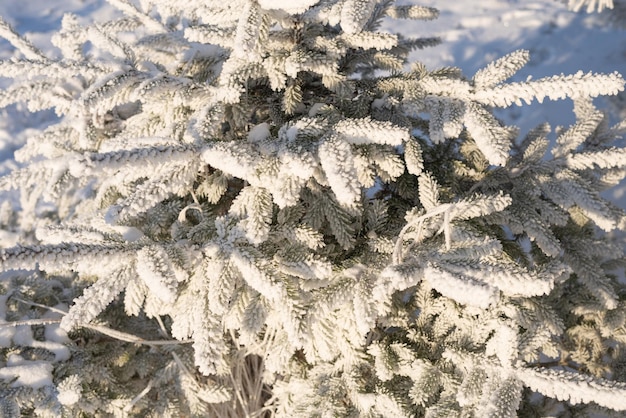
[[259, 209]]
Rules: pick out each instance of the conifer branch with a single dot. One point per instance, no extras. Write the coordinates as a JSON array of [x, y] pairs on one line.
[[119, 335]]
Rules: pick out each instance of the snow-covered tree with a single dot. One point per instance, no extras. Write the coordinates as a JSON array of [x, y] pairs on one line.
[[259, 208]]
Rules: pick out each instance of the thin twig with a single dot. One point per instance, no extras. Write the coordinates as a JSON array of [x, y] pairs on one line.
[[238, 389], [180, 364], [39, 305], [118, 335], [398, 253], [162, 328], [132, 338], [31, 322], [137, 398]]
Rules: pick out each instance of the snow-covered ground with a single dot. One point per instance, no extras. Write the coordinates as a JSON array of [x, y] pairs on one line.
[[473, 32]]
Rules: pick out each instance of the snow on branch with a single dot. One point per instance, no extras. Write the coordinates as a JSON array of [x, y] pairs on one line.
[[508, 277], [445, 213], [501, 69], [155, 269], [574, 387], [556, 87], [63, 257], [607, 158], [96, 298], [355, 14], [463, 289], [150, 159], [412, 12], [132, 11], [338, 164], [294, 7], [494, 141], [368, 131], [32, 70], [370, 40], [22, 44], [254, 205]]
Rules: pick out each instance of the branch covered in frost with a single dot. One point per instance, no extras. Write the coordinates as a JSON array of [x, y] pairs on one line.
[[575, 387], [63, 257], [574, 86]]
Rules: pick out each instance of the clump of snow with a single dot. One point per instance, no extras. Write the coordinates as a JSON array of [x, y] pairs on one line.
[[259, 133], [35, 374], [380, 103], [315, 109], [23, 335], [292, 133]]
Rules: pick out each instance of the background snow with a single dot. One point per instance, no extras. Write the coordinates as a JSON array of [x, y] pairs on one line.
[[473, 33]]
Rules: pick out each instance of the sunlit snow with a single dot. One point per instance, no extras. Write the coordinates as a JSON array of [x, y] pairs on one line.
[[559, 41]]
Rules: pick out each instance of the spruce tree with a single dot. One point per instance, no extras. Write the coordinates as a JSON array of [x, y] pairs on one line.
[[260, 208]]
